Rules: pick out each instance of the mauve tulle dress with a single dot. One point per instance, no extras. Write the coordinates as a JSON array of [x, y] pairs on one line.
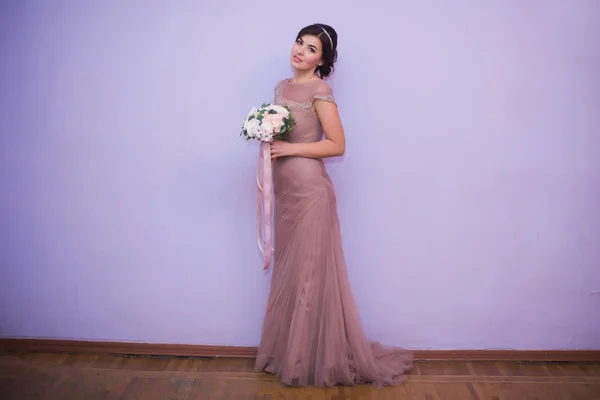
[[312, 332]]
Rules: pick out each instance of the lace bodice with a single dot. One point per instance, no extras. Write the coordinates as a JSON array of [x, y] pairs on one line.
[[300, 98], [302, 95]]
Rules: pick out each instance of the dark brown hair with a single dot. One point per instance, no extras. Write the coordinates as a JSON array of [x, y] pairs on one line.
[[328, 43]]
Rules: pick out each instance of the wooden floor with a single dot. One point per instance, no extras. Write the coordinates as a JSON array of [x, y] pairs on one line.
[[43, 376]]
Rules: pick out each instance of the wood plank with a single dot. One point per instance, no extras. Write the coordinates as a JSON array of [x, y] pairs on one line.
[[53, 376]]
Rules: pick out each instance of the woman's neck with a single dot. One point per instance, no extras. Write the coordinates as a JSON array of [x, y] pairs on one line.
[[304, 76]]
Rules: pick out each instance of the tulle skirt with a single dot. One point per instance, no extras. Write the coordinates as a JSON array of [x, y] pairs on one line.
[[312, 332]]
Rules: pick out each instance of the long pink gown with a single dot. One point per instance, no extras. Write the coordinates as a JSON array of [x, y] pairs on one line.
[[312, 332]]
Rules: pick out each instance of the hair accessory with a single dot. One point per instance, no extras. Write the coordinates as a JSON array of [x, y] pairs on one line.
[[330, 41]]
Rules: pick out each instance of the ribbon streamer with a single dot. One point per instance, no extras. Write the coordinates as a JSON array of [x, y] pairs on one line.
[[264, 202]]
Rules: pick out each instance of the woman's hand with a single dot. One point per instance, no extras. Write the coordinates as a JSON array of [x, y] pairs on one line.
[[280, 148]]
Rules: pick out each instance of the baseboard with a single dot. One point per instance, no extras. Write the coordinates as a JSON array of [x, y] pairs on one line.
[[189, 350]]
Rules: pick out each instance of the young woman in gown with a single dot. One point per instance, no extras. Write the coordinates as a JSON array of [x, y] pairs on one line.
[[312, 332]]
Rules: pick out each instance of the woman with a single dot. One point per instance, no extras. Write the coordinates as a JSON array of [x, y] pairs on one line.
[[312, 333]]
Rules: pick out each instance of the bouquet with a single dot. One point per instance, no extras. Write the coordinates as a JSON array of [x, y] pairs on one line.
[[265, 124]]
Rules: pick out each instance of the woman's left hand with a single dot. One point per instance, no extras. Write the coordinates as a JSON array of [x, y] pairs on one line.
[[280, 148]]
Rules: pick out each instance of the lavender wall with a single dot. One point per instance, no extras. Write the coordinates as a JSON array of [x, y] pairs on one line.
[[468, 195]]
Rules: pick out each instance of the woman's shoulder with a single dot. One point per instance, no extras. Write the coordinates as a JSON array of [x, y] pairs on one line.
[[323, 89], [323, 84], [281, 83]]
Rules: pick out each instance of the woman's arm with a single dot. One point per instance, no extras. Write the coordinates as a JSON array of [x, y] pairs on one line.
[[334, 144]]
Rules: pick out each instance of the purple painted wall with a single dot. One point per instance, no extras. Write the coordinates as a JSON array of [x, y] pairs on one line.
[[469, 193]]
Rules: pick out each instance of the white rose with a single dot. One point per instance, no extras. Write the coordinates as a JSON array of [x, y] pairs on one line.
[[253, 128], [267, 127], [281, 110]]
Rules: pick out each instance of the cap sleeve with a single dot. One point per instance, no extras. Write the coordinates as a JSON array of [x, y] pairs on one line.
[[324, 92]]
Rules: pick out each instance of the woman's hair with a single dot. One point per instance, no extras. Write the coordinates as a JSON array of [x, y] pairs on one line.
[[328, 37]]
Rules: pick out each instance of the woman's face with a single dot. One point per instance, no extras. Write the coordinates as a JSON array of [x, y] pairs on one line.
[[306, 53]]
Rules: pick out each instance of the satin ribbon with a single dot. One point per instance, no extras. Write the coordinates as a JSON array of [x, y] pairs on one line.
[[264, 202]]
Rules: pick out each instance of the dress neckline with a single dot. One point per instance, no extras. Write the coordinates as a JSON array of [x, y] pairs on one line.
[[302, 83]]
